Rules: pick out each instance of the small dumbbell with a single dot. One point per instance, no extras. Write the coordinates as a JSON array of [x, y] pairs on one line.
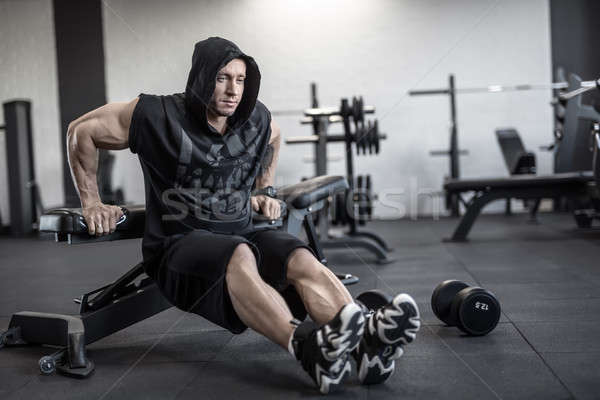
[[472, 309]]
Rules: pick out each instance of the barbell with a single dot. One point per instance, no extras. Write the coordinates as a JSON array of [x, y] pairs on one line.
[[356, 110], [584, 87]]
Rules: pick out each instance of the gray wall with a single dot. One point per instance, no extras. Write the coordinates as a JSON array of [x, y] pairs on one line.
[[379, 49], [28, 70]]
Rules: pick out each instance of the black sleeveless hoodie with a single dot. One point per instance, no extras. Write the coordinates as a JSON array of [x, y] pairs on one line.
[[194, 177]]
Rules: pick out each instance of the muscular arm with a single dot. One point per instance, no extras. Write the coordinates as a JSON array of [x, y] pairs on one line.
[[106, 127], [269, 206], [269, 163]]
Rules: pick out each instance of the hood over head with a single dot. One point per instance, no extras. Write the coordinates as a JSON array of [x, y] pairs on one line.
[[209, 57]]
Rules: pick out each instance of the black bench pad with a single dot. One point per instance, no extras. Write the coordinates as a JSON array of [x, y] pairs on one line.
[[303, 194], [570, 184], [519, 181], [71, 221]]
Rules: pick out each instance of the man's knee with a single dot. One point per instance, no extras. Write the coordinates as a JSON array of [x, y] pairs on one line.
[[302, 265], [242, 260]]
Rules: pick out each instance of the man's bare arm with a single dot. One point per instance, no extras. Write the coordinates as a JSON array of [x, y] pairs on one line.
[[269, 163], [269, 207], [106, 127]]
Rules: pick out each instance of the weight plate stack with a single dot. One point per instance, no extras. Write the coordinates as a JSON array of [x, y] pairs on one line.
[[360, 199], [370, 198]]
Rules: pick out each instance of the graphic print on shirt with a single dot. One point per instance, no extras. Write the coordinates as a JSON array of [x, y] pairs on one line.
[[214, 184]]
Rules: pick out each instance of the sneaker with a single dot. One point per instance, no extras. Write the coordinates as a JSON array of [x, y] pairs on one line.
[[324, 351], [387, 330]]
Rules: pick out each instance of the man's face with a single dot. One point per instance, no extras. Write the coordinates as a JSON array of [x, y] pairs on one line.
[[229, 88]]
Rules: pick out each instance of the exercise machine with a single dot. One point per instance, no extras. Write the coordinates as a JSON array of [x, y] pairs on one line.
[[355, 204]]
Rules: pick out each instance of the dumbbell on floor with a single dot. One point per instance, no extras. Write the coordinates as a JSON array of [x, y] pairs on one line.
[[472, 309]]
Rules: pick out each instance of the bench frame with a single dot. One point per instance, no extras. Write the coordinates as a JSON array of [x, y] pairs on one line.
[[574, 189], [135, 296]]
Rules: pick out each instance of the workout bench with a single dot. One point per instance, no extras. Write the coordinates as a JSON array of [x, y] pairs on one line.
[[572, 185], [134, 296]]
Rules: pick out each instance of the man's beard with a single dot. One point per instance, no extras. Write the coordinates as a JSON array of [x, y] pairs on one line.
[[224, 113], [213, 108]]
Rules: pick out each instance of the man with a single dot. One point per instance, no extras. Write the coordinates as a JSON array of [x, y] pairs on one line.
[[201, 153]]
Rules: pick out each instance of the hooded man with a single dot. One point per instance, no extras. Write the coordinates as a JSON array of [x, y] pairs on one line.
[[201, 153]]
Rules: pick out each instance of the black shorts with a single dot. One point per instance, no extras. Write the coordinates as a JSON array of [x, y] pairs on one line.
[[191, 273]]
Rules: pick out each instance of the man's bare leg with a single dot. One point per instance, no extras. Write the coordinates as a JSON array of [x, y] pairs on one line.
[[258, 305], [323, 351], [392, 327], [263, 309], [322, 293]]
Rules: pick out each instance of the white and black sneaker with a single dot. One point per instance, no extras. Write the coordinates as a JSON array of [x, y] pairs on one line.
[[324, 351], [387, 330]]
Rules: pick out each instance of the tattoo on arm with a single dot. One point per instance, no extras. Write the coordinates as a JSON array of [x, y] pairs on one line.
[[266, 175], [267, 160]]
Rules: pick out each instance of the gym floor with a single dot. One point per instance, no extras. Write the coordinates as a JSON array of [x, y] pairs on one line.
[[546, 345]]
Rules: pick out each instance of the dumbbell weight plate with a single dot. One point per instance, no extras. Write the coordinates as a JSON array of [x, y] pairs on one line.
[[441, 299], [365, 137], [345, 109], [367, 140], [355, 109], [369, 137], [361, 109], [358, 137], [376, 132], [369, 197], [360, 198], [475, 311], [358, 192]]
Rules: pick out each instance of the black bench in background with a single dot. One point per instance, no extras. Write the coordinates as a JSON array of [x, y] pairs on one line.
[[572, 185]]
